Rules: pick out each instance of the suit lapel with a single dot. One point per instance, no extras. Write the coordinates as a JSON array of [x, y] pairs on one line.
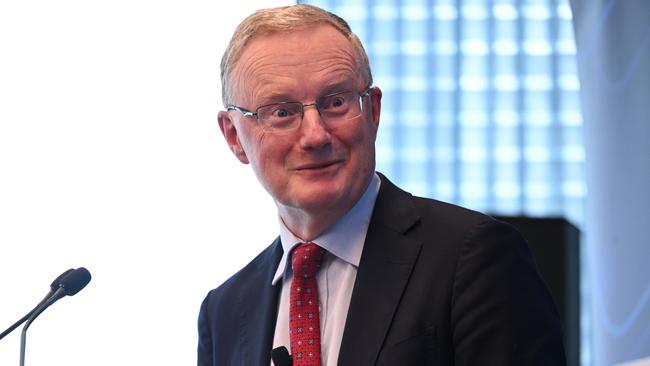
[[258, 301], [384, 270]]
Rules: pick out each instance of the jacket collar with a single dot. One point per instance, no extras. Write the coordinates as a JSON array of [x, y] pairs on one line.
[[387, 261], [258, 301]]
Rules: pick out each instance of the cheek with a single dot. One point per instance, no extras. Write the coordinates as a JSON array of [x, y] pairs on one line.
[[265, 152], [250, 140], [362, 138], [362, 143]]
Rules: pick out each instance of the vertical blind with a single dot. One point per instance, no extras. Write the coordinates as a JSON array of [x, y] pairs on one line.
[[481, 104]]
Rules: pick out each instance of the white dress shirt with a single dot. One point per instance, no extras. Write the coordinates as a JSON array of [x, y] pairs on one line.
[[344, 244]]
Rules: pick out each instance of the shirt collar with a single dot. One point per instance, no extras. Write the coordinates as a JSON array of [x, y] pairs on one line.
[[344, 239]]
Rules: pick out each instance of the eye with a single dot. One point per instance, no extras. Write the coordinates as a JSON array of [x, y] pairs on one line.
[[281, 112], [334, 102], [338, 101]]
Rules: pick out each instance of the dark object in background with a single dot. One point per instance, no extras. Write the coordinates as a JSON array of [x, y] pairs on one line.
[[555, 243]]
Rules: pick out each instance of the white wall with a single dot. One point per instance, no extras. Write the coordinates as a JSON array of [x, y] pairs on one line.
[[111, 158], [613, 44]]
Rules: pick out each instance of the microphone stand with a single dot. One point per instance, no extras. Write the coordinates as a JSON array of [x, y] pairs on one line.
[[22, 320], [53, 287], [60, 292]]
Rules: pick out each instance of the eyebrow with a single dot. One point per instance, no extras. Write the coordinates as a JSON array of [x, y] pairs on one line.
[[338, 85]]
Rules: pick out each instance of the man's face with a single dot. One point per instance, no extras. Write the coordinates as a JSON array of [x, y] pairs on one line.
[[314, 168]]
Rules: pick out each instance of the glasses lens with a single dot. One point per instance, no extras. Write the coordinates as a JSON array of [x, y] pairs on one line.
[[280, 116], [340, 106]]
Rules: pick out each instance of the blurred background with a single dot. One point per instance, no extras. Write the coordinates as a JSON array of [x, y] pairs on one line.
[[111, 157]]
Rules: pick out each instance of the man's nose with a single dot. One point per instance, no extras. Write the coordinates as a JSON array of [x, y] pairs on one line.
[[314, 131]]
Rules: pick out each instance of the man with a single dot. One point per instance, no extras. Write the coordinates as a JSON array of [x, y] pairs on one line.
[[396, 279]]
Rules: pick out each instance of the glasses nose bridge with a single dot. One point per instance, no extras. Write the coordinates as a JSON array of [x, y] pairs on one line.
[[314, 104]]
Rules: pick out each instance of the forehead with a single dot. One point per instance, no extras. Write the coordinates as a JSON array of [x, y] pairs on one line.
[[295, 64]]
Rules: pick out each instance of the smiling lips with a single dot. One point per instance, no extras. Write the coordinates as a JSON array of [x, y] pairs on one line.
[[319, 166]]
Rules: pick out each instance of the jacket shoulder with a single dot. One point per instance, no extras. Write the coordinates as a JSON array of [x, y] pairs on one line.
[[263, 263], [400, 209]]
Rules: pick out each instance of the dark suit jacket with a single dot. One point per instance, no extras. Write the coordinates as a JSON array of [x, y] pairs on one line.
[[437, 285]]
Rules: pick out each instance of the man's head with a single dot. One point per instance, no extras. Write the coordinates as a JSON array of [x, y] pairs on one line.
[[284, 19], [313, 152]]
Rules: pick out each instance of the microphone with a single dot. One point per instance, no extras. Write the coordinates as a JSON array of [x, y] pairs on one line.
[[53, 287], [57, 282], [69, 285], [280, 356]]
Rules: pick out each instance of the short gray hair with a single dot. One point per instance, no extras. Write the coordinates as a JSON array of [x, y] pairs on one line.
[[285, 19]]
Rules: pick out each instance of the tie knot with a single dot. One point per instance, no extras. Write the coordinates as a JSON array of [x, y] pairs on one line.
[[306, 259]]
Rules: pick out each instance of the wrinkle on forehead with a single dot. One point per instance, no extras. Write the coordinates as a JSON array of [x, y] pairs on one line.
[[280, 64]]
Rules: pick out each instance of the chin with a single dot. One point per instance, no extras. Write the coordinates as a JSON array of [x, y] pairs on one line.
[[318, 199]]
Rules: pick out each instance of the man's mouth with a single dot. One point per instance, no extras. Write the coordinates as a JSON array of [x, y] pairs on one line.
[[317, 165]]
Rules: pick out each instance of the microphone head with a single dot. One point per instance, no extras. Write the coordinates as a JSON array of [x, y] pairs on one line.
[[280, 356], [57, 281], [75, 281]]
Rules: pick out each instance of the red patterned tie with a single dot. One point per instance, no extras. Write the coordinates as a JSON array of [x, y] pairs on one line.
[[304, 320]]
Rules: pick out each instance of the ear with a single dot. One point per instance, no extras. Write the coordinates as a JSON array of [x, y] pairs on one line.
[[230, 133], [375, 104]]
